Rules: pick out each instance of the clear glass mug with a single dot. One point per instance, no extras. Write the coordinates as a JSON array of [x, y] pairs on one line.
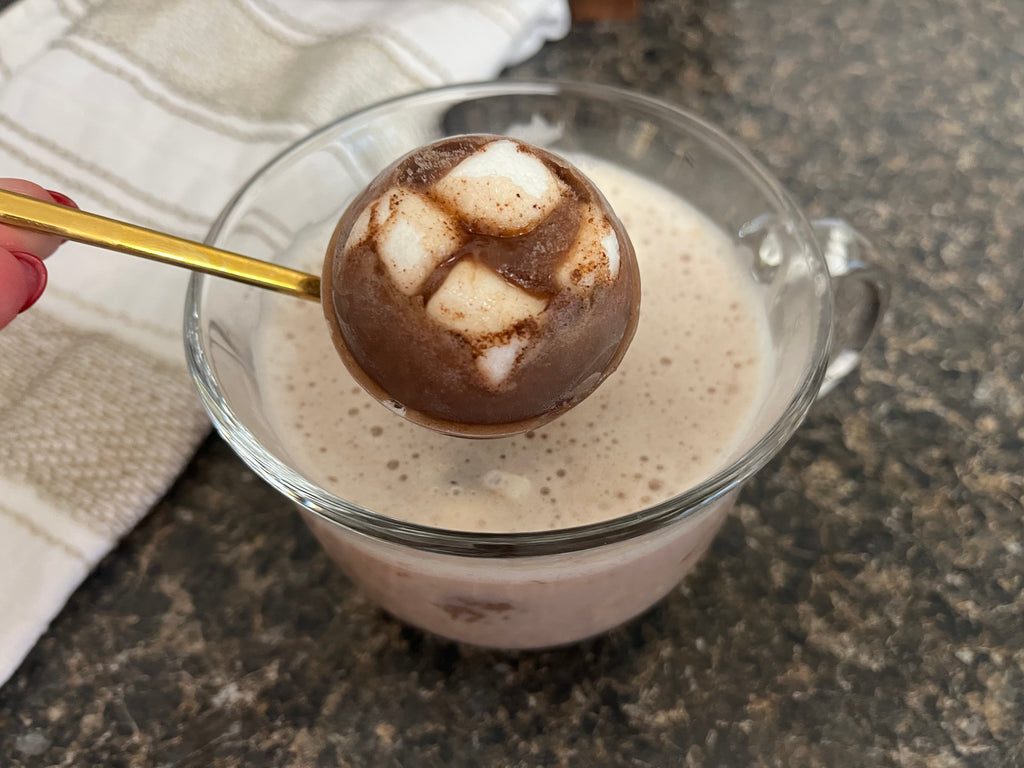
[[823, 290]]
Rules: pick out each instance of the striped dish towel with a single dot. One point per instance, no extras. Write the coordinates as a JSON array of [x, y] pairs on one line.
[[155, 111]]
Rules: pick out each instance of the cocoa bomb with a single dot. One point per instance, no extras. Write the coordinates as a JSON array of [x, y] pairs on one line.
[[480, 286]]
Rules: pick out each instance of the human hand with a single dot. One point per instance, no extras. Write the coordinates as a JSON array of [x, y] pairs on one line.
[[22, 272]]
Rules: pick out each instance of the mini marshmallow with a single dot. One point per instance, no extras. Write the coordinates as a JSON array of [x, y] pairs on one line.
[[594, 257], [610, 243], [507, 484], [413, 235], [501, 189], [496, 363], [480, 305], [361, 227]]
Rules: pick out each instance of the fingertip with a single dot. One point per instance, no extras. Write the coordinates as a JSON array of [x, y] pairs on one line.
[[35, 277], [62, 199], [15, 290]]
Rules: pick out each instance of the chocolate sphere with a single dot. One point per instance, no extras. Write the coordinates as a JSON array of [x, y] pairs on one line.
[[480, 286]]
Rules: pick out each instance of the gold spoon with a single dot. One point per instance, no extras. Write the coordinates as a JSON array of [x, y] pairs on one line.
[[50, 218]]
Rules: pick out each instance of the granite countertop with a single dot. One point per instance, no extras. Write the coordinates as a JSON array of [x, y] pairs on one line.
[[863, 606]]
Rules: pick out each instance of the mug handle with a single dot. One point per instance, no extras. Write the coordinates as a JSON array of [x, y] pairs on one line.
[[860, 288]]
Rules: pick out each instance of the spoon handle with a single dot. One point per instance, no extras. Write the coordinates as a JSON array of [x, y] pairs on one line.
[[29, 213]]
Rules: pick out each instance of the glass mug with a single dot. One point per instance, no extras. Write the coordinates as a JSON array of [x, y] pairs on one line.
[[823, 290]]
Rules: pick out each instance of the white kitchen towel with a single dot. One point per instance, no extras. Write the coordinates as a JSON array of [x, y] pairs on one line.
[[156, 111]]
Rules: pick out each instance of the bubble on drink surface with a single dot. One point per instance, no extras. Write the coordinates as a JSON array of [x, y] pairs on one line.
[[482, 283]]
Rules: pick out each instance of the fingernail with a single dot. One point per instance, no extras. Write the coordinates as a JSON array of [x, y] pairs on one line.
[[35, 273], [60, 197]]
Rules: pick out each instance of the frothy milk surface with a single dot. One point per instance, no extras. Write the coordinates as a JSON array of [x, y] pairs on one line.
[[678, 405]]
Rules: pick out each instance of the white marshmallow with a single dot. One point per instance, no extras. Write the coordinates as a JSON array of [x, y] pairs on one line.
[[496, 363], [361, 226], [478, 303], [413, 235], [501, 189], [507, 484], [610, 243], [594, 258]]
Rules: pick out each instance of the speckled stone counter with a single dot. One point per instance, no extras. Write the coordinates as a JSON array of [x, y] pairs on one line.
[[862, 607]]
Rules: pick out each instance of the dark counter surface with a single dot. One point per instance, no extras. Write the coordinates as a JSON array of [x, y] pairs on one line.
[[863, 606]]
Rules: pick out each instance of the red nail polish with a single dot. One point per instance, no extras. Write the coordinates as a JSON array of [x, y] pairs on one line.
[[60, 197], [35, 271]]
